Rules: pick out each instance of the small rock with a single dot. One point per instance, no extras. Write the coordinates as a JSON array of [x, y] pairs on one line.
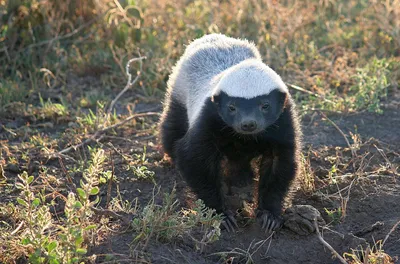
[[300, 219], [33, 167], [12, 167], [73, 125]]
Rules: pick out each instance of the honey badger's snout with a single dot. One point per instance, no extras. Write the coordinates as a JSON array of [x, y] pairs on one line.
[[249, 125]]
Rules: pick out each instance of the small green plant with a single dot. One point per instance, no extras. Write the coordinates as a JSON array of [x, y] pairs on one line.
[[139, 168], [99, 119], [106, 176], [50, 110], [166, 223], [141, 158], [142, 172], [332, 175], [334, 214], [40, 246]]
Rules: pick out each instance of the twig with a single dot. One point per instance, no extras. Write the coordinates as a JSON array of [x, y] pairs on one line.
[[123, 12], [344, 201], [18, 228], [326, 244], [392, 167], [129, 119], [129, 83], [333, 231], [110, 181], [390, 232], [353, 152], [75, 31], [99, 134], [64, 169], [298, 88], [95, 137]]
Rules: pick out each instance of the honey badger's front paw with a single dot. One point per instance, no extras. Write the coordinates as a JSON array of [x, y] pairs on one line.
[[229, 221], [269, 221]]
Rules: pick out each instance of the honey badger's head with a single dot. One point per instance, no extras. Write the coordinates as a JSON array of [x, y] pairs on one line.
[[250, 97]]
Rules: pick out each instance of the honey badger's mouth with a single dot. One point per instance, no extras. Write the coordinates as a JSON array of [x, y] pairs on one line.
[[239, 130]]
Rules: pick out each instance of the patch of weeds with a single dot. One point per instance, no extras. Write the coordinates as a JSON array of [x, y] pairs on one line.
[[142, 172], [50, 110], [11, 92], [41, 238], [335, 215], [332, 173], [139, 168], [38, 238], [98, 157], [39, 141], [371, 85], [166, 223], [369, 255], [106, 177], [117, 204], [97, 120]]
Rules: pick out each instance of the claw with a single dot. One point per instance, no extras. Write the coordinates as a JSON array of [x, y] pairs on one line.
[[226, 225], [229, 222], [269, 221]]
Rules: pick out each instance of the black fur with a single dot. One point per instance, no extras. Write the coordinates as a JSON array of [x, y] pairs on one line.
[[198, 152], [174, 124]]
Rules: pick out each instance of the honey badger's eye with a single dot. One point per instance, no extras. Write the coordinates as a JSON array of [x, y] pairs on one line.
[[265, 106], [232, 108]]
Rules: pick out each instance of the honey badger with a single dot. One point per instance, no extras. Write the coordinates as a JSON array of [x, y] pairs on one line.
[[224, 103]]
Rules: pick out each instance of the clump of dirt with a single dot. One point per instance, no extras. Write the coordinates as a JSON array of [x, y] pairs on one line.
[[300, 219]]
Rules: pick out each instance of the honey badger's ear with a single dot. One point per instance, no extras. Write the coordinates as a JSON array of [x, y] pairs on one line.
[[215, 99], [284, 99]]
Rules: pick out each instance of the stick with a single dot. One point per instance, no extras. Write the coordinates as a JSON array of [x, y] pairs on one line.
[[99, 134], [17, 229], [390, 232], [129, 83], [298, 88], [326, 244], [87, 141], [110, 181], [75, 31]]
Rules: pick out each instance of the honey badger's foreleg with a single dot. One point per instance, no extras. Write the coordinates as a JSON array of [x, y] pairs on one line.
[[199, 162], [276, 175]]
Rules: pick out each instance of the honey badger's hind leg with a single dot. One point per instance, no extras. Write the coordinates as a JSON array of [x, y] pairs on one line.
[[173, 125]]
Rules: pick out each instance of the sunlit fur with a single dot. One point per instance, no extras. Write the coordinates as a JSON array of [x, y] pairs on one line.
[[248, 79], [211, 59]]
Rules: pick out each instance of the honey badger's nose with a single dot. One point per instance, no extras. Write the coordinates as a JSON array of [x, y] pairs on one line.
[[249, 125]]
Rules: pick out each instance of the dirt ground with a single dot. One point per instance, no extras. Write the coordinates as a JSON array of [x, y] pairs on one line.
[[373, 207], [372, 210]]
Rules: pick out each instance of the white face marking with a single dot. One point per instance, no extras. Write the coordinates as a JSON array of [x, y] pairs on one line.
[[249, 79]]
